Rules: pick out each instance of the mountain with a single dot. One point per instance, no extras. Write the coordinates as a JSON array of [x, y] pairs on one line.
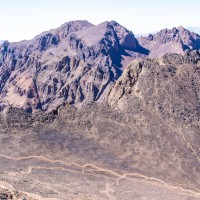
[[76, 62], [194, 29], [141, 142], [90, 112], [175, 40], [1, 41]]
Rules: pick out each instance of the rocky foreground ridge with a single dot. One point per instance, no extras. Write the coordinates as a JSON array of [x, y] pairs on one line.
[[146, 135], [77, 62]]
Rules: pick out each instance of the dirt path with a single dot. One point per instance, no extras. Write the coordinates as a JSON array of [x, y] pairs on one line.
[[95, 170]]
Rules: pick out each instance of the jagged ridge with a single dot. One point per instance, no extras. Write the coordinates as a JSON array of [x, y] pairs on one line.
[[76, 62]]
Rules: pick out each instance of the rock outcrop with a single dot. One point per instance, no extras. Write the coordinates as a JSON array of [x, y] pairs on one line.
[[8, 194]]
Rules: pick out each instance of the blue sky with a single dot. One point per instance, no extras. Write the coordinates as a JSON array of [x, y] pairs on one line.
[[23, 19]]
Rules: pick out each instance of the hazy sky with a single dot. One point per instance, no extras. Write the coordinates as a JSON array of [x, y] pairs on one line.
[[23, 19]]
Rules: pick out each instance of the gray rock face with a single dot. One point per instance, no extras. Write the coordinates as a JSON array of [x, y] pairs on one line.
[[175, 40], [76, 62]]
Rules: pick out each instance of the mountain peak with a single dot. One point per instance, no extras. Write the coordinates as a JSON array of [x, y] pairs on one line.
[[111, 31], [181, 28], [175, 40], [80, 23], [75, 62]]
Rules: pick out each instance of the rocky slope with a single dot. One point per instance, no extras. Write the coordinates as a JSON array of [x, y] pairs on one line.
[[143, 143], [175, 40], [76, 62]]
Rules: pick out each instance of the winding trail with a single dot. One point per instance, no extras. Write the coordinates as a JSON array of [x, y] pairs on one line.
[[95, 170]]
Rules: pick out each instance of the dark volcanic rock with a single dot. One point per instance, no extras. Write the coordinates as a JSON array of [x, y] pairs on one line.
[[5, 196]]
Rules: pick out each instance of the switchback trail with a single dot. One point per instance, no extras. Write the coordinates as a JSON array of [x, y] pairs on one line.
[[95, 170]]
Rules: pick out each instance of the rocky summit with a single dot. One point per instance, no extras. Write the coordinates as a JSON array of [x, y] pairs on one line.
[[89, 112]]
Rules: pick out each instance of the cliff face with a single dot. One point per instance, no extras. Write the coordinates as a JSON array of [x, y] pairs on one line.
[[76, 63]]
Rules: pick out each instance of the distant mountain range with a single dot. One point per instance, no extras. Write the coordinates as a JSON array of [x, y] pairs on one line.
[[78, 62], [175, 40], [194, 29]]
